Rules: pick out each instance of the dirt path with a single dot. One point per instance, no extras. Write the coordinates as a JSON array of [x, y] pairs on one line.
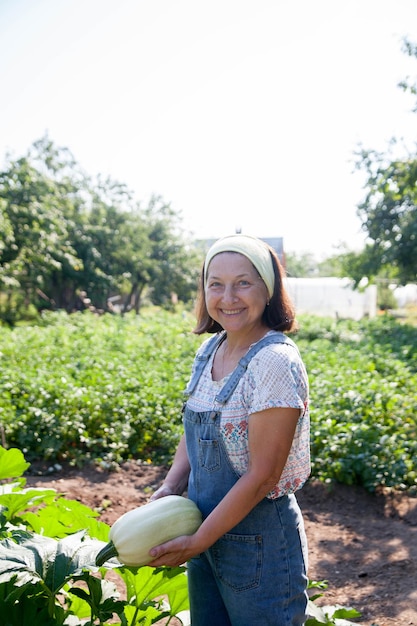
[[364, 545]]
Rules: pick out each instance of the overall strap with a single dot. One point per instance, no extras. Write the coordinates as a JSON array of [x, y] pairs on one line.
[[241, 367], [200, 360]]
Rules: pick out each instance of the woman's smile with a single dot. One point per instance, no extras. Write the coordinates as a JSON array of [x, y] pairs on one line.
[[231, 311]]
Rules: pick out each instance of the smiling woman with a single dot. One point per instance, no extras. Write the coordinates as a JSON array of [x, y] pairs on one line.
[[245, 451]]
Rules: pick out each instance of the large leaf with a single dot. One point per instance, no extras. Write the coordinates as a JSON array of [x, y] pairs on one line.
[[102, 596], [17, 501], [146, 583], [175, 586], [55, 562], [12, 463], [146, 616], [65, 517], [25, 604], [72, 554], [330, 615], [34, 571]]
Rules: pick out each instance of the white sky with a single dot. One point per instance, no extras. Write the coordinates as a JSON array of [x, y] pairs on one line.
[[240, 113]]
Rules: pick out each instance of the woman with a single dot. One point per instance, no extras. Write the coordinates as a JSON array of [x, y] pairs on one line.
[[246, 447]]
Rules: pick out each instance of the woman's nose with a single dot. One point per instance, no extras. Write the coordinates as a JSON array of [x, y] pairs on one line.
[[229, 294]]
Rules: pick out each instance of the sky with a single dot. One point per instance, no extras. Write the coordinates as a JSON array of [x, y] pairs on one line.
[[242, 114]]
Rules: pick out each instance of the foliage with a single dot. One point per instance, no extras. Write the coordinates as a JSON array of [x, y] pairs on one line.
[[305, 265], [389, 217], [300, 265], [40, 579], [48, 577], [386, 300], [327, 615], [66, 235], [46, 581], [42, 511], [364, 380], [388, 211], [110, 388], [407, 84]]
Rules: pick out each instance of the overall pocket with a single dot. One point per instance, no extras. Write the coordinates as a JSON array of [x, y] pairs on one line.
[[209, 454], [238, 560]]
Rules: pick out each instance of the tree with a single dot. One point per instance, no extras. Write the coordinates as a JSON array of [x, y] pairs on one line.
[[389, 215], [37, 243], [173, 264], [388, 211], [65, 235], [300, 265], [305, 265]]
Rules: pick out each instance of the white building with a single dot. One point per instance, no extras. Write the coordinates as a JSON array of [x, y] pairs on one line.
[[332, 297]]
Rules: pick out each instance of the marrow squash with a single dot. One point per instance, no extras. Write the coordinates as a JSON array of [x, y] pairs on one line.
[[137, 531]]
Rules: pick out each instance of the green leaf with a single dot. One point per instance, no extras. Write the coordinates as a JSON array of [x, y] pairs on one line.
[[72, 553], [77, 605], [174, 585], [64, 517], [146, 583], [25, 604], [342, 612], [102, 596], [330, 615], [32, 575], [146, 616], [55, 562], [12, 463], [29, 559], [18, 501]]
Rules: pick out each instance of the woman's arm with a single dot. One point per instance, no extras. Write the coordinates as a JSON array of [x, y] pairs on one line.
[[270, 435], [176, 480]]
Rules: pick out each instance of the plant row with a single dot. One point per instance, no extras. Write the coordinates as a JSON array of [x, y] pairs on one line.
[[84, 388]]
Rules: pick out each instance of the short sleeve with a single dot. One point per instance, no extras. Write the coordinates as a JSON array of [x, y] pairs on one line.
[[276, 377]]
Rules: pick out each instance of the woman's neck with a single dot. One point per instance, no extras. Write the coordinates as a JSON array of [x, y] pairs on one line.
[[231, 350], [238, 342]]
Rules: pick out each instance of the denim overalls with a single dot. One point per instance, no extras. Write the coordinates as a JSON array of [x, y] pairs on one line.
[[256, 573]]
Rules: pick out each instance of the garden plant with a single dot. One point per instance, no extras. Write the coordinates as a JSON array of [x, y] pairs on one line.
[[85, 389]]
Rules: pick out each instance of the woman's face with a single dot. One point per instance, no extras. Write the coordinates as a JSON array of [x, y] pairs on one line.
[[235, 294]]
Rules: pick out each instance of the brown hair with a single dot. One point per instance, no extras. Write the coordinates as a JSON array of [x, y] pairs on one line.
[[279, 314]]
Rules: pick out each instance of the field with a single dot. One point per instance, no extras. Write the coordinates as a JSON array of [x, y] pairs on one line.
[[364, 545], [81, 388], [108, 388]]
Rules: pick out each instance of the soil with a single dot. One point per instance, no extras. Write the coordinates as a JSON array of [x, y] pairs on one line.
[[364, 545]]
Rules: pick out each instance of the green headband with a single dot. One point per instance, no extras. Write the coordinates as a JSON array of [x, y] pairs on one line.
[[253, 249]]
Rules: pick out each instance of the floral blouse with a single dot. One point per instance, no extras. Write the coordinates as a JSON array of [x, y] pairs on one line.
[[275, 377]]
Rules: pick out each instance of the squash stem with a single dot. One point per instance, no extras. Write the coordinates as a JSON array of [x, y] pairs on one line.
[[106, 553]]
